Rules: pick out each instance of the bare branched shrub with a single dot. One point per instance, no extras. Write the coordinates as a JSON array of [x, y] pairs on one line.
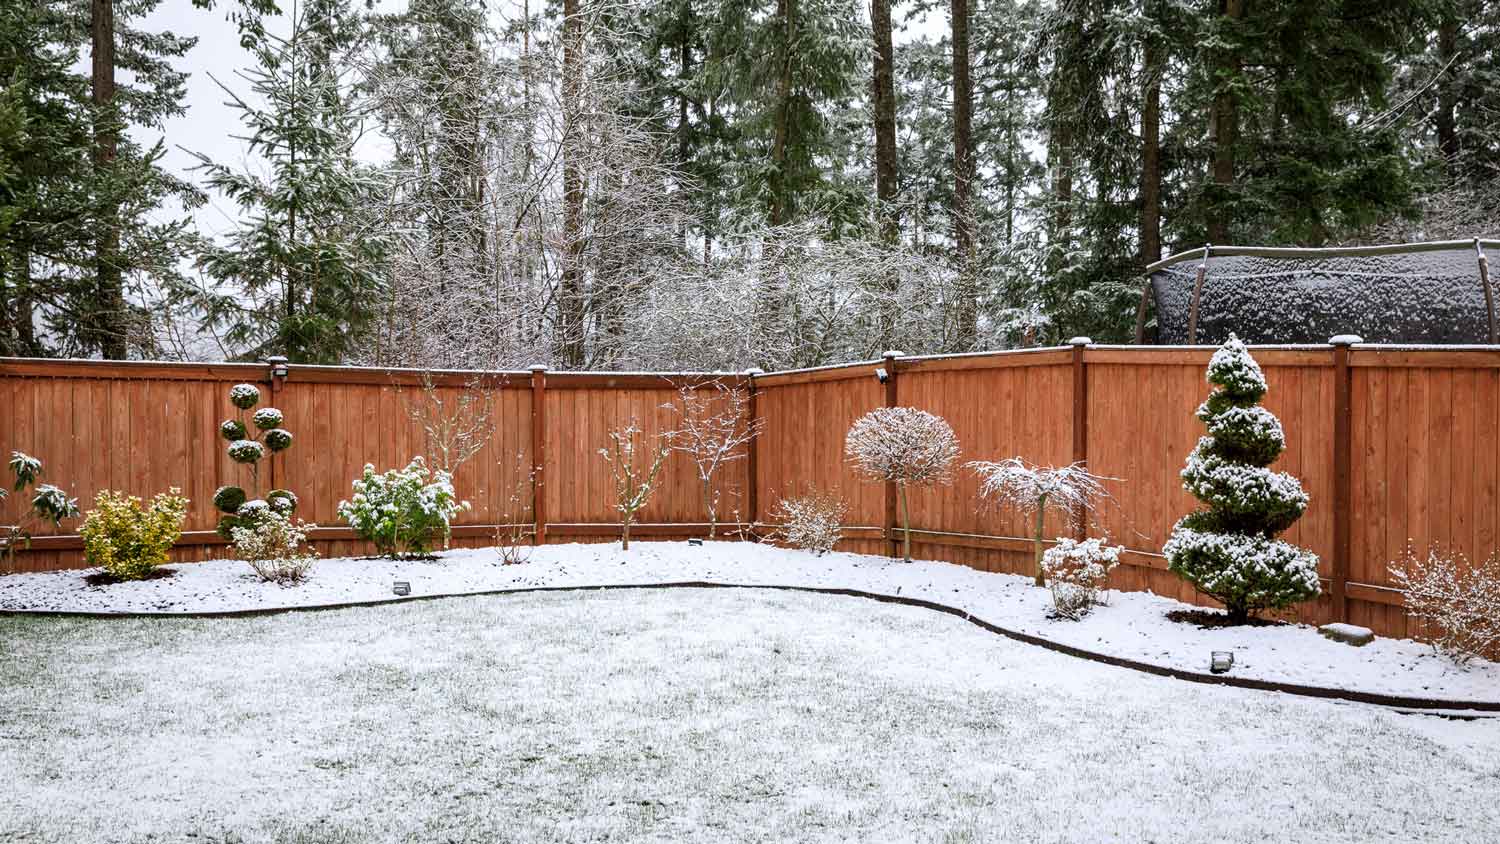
[[516, 516], [1076, 572], [713, 429], [1459, 603], [634, 482], [904, 446], [810, 521], [272, 544], [455, 428], [1071, 490]]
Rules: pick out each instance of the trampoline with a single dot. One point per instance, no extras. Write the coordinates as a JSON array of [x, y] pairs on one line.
[[1412, 293]]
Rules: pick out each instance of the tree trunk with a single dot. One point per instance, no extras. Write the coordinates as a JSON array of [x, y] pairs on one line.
[[710, 509], [1151, 153], [108, 319], [885, 156], [786, 18], [1443, 118], [1225, 129], [625, 532], [1036, 540], [905, 525], [570, 304], [967, 329]]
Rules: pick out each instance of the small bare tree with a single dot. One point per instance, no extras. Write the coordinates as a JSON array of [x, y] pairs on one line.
[[515, 517], [1032, 489], [1457, 601], [714, 431], [455, 428], [904, 446], [810, 521], [633, 484]]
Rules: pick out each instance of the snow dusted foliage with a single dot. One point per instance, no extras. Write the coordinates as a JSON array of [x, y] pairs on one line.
[[1228, 550], [1033, 490], [246, 451], [634, 482], [244, 396], [1076, 572], [1457, 603], [273, 546], [48, 504], [904, 446], [810, 521], [267, 418], [402, 511]]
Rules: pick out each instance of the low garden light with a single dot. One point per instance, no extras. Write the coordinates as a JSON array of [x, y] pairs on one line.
[[401, 588], [695, 542], [1221, 661]]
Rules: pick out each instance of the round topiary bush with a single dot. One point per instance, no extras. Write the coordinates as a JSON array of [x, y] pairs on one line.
[[229, 498], [282, 500], [267, 418], [233, 429], [278, 439], [244, 396], [246, 451]]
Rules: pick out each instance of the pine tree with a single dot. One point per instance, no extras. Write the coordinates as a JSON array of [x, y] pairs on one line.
[[302, 275], [1229, 550]]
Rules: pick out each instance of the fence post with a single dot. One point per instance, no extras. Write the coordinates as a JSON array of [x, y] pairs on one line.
[[752, 462], [1080, 424], [539, 451], [1343, 417], [279, 371], [888, 367]]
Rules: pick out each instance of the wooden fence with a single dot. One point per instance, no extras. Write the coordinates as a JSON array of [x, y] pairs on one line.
[[1395, 445]]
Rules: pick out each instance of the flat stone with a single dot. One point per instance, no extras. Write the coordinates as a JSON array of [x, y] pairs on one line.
[[1349, 634]]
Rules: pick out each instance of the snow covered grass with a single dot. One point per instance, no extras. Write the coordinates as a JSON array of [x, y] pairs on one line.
[[682, 715], [1134, 625]]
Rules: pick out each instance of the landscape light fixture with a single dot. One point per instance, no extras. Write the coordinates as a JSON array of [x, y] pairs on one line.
[[695, 542], [401, 588], [882, 375], [1221, 661], [278, 366]]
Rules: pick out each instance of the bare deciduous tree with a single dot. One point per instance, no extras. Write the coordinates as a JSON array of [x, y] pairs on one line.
[[455, 427], [1031, 489], [634, 484], [904, 446], [714, 429]]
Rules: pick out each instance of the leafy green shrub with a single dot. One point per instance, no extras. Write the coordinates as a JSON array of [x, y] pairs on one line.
[[48, 504], [129, 540], [402, 510]]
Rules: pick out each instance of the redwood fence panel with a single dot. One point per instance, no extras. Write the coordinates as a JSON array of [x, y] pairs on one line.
[[1397, 447]]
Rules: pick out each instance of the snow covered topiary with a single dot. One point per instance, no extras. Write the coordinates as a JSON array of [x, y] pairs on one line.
[[278, 439], [267, 418], [401, 510], [282, 500], [1076, 571], [1229, 550], [233, 430], [244, 396], [246, 451], [229, 498], [904, 446]]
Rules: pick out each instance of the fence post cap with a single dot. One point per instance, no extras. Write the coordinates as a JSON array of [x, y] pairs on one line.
[[1345, 339], [755, 370], [1081, 341], [893, 353], [538, 367]]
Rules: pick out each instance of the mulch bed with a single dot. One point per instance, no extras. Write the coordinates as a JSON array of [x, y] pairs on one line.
[[104, 578], [1209, 619]]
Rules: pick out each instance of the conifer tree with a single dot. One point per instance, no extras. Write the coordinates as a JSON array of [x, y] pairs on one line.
[[1228, 550]]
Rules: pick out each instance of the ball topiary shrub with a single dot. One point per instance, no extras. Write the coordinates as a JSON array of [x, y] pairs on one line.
[[1228, 550], [248, 446]]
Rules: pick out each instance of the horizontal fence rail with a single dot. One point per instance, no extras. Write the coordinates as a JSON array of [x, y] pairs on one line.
[[1396, 445]]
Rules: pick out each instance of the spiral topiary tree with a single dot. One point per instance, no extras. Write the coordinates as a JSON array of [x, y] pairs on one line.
[[1228, 550], [261, 439]]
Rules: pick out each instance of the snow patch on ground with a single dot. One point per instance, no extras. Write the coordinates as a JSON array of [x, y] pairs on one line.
[[684, 715], [1132, 626]]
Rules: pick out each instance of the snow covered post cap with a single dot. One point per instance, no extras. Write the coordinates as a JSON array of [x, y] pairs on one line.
[[1345, 339], [1081, 341], [893, 353], [754, 371], [537, 367]]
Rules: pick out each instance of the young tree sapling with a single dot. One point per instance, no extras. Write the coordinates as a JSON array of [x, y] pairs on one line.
[[904, 446]]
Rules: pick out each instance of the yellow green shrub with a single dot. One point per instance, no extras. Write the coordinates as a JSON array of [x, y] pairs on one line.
[[128, 539]]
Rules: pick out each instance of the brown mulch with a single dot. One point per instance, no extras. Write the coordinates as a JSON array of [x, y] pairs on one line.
[[104, 578], [1207, 619]]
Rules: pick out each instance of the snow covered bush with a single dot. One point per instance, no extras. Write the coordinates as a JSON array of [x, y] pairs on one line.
[[904, 446], [1228, 550], [248, 448], [48, 504], [810, 521], [1070, 490], [634, 484], [273, 546], [1458, 603], [128, 539], [402, 510], [1076, 571]]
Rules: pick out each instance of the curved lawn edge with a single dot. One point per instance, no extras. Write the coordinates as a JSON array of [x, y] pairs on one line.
[[1464, 709]]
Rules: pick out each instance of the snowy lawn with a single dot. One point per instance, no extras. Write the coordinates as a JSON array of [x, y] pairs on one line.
[[683, 715], [1133, 626]]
